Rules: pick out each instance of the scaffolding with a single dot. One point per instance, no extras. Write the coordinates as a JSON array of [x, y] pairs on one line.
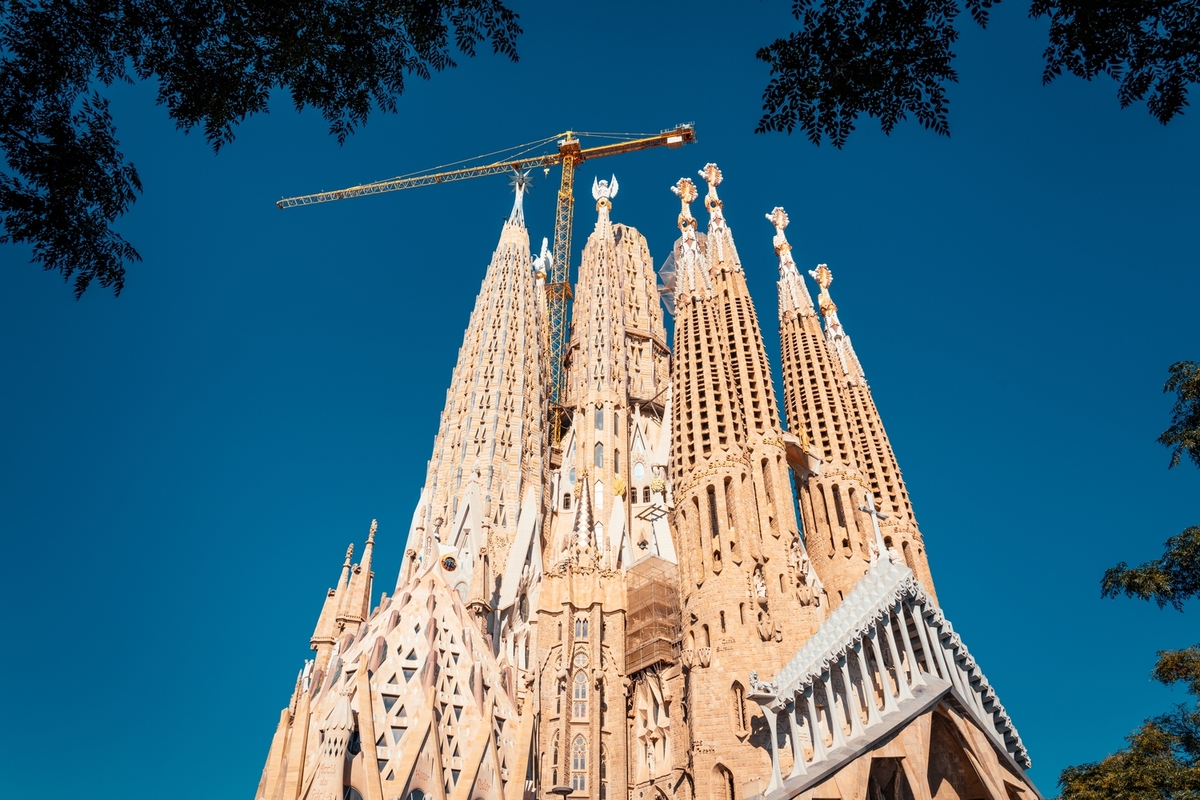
[[652, 619]]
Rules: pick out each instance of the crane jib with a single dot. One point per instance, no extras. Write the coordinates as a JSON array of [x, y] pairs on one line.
[[558, 289]]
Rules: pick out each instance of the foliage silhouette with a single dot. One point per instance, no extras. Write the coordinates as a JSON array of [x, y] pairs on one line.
[[890, 59], [1162, 759], [216, 63]]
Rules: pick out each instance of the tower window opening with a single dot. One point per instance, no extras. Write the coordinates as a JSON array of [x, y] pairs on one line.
[[579, 764], [739, 709], [566, 504], [837, 505], [722, 622], [603, 773], [646, 494], [599, 452], [599, 420], [712, 513], [616, 460], [579, 695], [581, 627]]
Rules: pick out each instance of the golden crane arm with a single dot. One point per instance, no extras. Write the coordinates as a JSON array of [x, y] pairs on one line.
[[676, 137], [558, 282]]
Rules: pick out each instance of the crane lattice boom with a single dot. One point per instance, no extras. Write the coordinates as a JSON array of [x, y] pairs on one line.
[[558, 286]]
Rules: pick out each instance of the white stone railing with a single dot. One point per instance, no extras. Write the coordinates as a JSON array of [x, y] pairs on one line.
[[882, 656]]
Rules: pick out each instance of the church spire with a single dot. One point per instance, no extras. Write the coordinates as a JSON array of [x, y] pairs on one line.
[[876, 458], [830, 484], [834, 331], [722, 253], [485, 472], [793, 294], [692, 278], [732, 493]]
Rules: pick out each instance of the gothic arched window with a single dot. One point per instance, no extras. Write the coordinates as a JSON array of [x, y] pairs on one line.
[[599, 420], [603, 773], [599, 455], [579, 764], [554, 762], [581, 627], [580, 694], [599, 493], [739, 709]]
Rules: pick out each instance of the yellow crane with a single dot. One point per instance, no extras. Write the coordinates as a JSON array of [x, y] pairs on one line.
[[570, 154]]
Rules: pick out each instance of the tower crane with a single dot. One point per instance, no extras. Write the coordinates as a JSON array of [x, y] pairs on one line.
[[570, 154]]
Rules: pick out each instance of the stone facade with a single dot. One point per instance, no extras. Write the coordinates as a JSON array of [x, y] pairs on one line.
[[624, 598]]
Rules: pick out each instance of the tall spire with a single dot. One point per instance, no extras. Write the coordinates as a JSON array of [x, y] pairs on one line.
[[741, 586], [722, 252], [746, 356], [877, 460], [830, 483], [617, 358], [485, 472], [692, 279], [834, 331], [793, 294]]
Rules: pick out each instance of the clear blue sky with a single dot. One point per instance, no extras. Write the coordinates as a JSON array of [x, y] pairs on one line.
[[184, 466]]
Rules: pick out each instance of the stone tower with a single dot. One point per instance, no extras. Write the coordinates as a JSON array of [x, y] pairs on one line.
[[830, 484], [603, 486], [745, 584], [482, 494]]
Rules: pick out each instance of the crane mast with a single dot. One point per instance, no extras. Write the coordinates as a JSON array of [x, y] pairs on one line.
[[558, 284]]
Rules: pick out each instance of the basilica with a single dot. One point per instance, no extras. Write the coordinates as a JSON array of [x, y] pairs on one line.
[[663, 583]]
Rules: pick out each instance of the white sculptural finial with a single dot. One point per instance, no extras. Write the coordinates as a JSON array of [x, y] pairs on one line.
[[712, 176], [822, 275], [779, 218], [685, 190], [521, 182], [604, 190]]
